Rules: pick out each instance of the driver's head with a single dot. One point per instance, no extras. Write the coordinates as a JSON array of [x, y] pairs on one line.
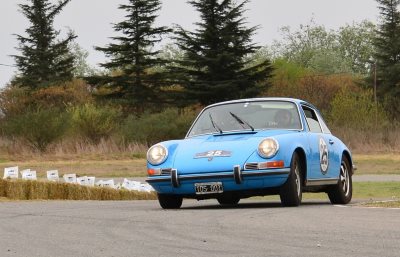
[[283, 118]]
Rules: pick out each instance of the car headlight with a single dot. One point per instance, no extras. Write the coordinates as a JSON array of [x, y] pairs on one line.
[[157, 154], [268, 148]]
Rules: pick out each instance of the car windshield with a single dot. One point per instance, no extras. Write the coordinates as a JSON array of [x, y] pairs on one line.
[[247, 116]]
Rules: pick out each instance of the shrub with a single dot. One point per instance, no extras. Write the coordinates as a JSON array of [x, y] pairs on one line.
[[153, 128], [356, 110], [93, 122], [39, 128], [290, 80], [15, 100]]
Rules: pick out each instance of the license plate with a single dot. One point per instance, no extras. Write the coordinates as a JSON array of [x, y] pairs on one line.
[[208, 188]]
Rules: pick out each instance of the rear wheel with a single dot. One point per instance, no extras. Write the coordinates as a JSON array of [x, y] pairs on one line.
[[228, 200], [170, 201], [291, 191], [342, 192]]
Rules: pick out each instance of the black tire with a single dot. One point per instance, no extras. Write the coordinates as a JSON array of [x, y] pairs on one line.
[[170, 201], [228, 200], [291, 192], [342, 192]]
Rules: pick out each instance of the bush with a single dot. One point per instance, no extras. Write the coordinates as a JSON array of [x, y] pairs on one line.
[[290, 80], [39, 128], [153, 128], [356, 110], [93, 122], [15, 100]]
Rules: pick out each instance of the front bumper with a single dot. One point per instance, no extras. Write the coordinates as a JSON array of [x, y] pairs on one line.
[[235, 180]]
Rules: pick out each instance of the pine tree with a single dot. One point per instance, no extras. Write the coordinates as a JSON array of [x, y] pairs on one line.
[[387, 55], [44, 59], [132, 56], [215, 67]]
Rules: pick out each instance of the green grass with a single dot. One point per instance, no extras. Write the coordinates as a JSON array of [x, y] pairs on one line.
[[361, 190], [97, 168], [377, 164], [134, 164], [383, 204]]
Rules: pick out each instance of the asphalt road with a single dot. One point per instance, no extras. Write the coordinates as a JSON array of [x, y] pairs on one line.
[[141, 228]]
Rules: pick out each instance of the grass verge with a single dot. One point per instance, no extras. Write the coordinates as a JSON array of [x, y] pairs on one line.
[[361, 190], [377, 164], [129, 165], [99, 168], [383, 204], [43, 190]]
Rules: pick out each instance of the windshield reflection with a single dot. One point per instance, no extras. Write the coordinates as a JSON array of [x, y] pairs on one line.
[[248, 116]]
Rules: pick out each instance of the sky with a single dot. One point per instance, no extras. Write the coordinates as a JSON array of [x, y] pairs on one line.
[[92, 20]]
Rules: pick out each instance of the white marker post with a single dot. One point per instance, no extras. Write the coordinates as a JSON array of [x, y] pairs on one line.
[[70, 178], [11, 172], [28, 174], [90, 181], [52, 175]]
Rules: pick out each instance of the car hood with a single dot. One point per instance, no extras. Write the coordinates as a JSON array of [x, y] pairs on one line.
[[216, 153]]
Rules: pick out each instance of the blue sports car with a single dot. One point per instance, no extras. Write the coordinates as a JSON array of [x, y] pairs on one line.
[[243, 148]]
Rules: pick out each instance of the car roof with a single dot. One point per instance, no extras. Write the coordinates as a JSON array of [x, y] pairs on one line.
[[294, 100]]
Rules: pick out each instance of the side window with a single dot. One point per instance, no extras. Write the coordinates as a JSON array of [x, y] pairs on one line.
[[312, 120]]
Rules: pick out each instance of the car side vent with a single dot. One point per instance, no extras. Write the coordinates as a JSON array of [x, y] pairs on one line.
[[165, 171], [251, 166]]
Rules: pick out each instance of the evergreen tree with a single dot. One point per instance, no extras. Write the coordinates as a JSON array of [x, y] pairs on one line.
[[387, 55], [132, 57], [215, 67], [44, 59]]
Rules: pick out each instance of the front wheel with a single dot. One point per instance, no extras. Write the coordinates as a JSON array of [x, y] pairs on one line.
[[291, 191], [170, 201], [342, 192]]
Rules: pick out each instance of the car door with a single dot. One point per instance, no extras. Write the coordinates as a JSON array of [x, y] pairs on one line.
[[321, 152]]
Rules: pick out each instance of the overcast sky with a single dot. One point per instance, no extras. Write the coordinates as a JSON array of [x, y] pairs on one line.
[[91, 20]]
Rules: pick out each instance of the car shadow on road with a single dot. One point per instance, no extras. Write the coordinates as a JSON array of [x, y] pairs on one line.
[[252, 205]]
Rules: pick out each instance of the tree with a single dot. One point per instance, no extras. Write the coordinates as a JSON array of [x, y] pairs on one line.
[[132, 56], [387, 55], [44, 59], [355, 44], [348, 49], [81, 66], [214, 65]]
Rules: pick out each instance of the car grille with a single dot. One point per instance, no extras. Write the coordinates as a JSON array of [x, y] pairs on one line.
[[251, 166]]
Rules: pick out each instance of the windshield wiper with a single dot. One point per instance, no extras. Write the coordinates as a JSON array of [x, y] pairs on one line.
[[241, 122], [215, 125]]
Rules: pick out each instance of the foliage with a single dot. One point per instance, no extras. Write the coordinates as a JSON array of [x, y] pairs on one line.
[[291, 80], [39, 128], [16, 100], [214, 65], [94, 122], [355, 44], [346, 50], [387, 55], [357, 110], [156, 127], [81, 67], [132, 56], [44, 59]]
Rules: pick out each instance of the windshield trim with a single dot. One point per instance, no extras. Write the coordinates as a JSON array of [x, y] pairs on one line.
[[227, 132]]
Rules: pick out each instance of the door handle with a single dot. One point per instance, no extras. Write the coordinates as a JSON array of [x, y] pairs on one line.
[[331, 141]]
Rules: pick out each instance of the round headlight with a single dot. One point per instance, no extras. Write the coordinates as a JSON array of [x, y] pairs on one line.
[[268, 148], [157, 154]]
